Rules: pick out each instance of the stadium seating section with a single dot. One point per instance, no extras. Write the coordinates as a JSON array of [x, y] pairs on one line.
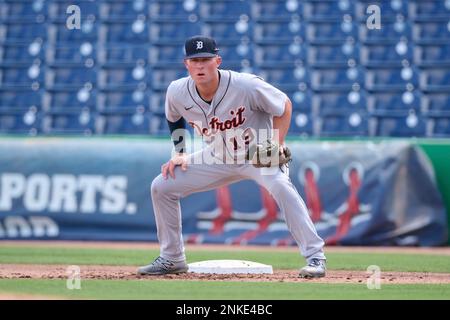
[[110, 75]]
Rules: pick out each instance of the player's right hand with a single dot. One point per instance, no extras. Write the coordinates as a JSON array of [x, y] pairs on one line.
[[179, 159]]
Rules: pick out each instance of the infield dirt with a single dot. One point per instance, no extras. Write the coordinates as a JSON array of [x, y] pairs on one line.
[[39, 271]]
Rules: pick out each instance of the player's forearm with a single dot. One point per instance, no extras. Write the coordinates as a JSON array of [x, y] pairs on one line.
[[177, 132], [283, 122]]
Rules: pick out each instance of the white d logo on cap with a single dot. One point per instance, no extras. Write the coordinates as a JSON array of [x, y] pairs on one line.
[[199, 45]]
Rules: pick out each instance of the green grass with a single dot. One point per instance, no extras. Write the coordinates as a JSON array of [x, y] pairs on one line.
[[157, 289], [196, 290], [278, 259]]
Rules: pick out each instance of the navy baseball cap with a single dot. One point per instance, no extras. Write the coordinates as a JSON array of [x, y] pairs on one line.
[[200, 47]]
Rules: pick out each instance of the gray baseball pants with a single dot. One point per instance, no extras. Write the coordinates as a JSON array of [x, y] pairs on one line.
[[166, 195]]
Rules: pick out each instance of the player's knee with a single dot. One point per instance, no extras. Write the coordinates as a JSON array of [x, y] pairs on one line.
[[161, 187], [156, 187]]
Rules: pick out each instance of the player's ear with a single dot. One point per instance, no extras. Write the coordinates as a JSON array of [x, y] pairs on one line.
[[218, 60], [185, 61]]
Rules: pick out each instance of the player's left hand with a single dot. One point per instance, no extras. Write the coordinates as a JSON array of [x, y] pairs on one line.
[[180, 159]]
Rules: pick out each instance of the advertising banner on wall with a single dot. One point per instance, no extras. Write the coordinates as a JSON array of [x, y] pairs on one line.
[[358, 193]]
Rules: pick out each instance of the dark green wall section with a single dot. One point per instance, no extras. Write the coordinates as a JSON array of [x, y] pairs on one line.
[[439, 154]]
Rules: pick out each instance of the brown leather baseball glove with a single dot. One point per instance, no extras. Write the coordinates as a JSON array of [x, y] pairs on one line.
[[269, 154]]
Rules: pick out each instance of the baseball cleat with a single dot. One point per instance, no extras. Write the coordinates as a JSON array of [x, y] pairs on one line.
[[316, 268], [163, 266]]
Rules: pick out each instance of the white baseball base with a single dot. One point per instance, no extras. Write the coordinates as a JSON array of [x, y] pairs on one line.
[[229, 267]]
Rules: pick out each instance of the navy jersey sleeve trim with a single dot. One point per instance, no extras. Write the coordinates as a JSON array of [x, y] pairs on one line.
[[178, 138]]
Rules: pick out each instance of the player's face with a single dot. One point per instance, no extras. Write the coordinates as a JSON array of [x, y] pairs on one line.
[[203, 70]]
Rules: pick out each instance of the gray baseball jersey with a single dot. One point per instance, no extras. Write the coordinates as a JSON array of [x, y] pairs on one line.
[[242, 101], [241, 112]]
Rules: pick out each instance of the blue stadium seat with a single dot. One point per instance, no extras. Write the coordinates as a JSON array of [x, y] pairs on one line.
[[428, 9], [157, 101], [72, 54], [392, 29], [385, 54], [158, 124], [227, 29], [120, 99], [220, 9], [279, 53], [344, 123], [439, 101], [117, 53], [65, 98], [333, 30], [302, 124], [69, 121], [278, 76], [16, 97], [329, 54], [20, 121], [335, 78], [431, 30], [59, 33], [394, 100], [435, 79], [69, 76], [21, 74], [241, 66], [123, 8], [16, 9], [235, 51], [163, 76], [329, 101], [392, 78], [123, 76], [25, 30], [22, 52], [326, 9], [399, 124], [300, 96], [135, 30], [127, 121], [432, 54], [166, 53], [173, 31], [276, 9], [174, 9], [272, 31], [440, 124]]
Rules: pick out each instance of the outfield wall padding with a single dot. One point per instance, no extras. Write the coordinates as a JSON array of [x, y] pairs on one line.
[[358, 193]]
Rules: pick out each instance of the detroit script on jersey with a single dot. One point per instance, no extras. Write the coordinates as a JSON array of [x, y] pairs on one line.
[[216, 125]]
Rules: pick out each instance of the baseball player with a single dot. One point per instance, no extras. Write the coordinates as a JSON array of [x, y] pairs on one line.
[[229, 109]]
